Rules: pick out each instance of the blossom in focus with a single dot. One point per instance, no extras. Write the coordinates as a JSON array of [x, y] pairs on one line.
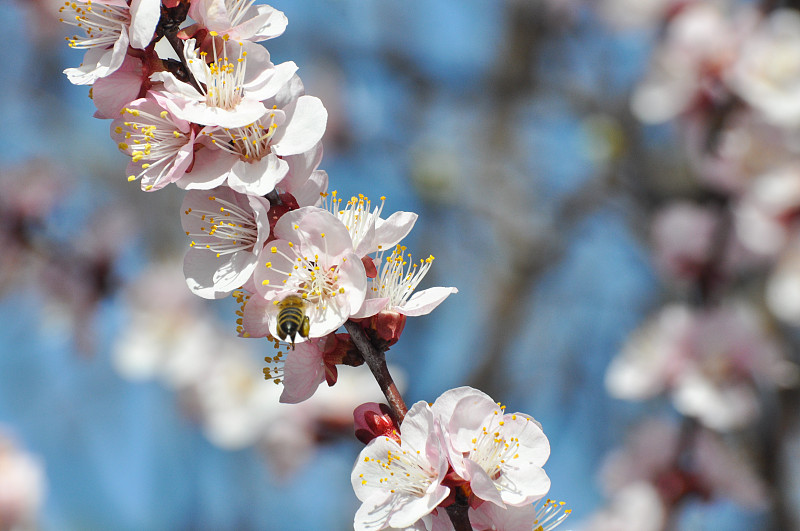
[[232, 85], [393, 287], [239, 19], [370, 232], [228, 231], [254, 158], [313, 258], [534, 517], [110, 26], [500, 454], [160, 144], [399, 483]]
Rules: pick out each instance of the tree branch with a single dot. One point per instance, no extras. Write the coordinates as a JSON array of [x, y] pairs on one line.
[[376, 360]]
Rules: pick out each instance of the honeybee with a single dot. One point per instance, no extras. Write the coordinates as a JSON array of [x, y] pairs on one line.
[[292, 318]]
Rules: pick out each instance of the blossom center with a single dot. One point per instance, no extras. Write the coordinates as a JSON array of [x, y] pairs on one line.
[[103, 27], [225, 228], [491, 449], [224, 79], [399, 276], [404, 472], [151, 139], [251, 143], [315, 282], [356, 214]]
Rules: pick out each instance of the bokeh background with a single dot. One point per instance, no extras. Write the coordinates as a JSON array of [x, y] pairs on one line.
[[540, 141]]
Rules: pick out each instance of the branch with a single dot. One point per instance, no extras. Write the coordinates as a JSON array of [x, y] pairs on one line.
[[458, 512], [376, 360]]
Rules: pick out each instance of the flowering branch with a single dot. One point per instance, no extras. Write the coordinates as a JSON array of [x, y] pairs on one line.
[[376, 360]]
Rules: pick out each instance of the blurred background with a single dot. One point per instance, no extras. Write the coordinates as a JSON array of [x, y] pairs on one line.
[[612, 185]]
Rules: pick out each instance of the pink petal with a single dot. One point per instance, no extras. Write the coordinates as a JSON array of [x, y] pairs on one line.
[[303, 371], [305, 127]]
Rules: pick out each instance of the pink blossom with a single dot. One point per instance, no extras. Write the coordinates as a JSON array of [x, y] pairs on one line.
[[399, 483], [254, 159], [161, 145], [233, 84], [239, 19], [501, 455], [110, 25], [534, 517], [22, 486], [228, 231], [312, 257]]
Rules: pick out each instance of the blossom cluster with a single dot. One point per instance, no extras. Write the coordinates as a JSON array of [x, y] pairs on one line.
[[724, 239], [196, 101], [464, 442], [202, 106]]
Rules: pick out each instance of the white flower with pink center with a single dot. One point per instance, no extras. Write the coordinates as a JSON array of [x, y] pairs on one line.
[[228, 230], [160, 144], [231, 86], [393, 288], [312, 258], [500, 454], [110, 26], [252, 159], [239, 18], [400, 483], [370, 232]]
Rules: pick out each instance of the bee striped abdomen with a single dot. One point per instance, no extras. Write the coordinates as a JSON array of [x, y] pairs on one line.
[[292, 320]]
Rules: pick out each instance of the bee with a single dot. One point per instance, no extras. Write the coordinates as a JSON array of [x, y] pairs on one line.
[[292, 319]]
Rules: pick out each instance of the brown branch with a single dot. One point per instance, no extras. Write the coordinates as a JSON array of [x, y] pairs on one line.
[[376, 360], [458, 512]]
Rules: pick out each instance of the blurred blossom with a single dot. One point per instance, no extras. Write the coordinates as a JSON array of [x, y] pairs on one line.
[[746, 147], [767, 213], [709, 361], [682, 236], [679, 463], [172, 337], [635, 507], [783, 286], [22, 487], [767, 75], [687, 69]]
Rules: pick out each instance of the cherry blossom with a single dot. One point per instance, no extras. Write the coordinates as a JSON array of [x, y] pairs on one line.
[[369, 231], [160, 144], [313, 257], [393, 288], [22, 486], [228, 231], [401, 482], [535, 517], [239, 19], [252, 159], [232, 85], [501, 455], [110, 26]]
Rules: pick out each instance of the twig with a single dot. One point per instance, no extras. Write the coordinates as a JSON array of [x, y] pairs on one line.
[[458, 512], [376, 360]]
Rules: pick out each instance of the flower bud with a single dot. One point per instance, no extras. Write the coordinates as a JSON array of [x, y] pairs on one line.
[[374, 420]]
